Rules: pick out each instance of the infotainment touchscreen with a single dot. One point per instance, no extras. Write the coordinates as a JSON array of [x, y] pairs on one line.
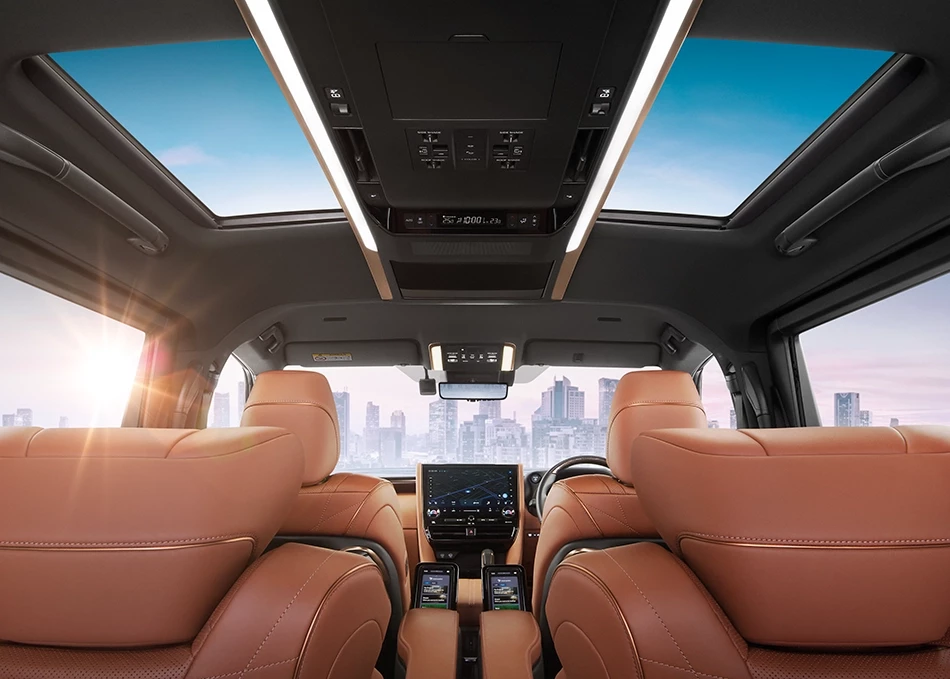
[[470, 494]]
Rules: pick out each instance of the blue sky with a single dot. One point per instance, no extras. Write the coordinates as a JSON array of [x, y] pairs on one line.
[[728, 115], [213, 114]]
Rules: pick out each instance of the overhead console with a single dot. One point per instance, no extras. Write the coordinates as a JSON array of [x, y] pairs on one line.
[[469, 118]]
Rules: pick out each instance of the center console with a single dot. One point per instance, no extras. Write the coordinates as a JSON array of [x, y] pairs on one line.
[[466, 508]]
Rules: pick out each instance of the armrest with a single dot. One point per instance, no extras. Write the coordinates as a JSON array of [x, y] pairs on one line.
[[511, 644], [428, 643]]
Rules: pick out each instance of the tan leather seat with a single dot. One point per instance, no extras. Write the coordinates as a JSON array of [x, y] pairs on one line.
[[133, 554], [597, 506], [795, 553], [328, 504]]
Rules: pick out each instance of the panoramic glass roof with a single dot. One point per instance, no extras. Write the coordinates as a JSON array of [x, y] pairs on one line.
[[727, 116], [211, 113]]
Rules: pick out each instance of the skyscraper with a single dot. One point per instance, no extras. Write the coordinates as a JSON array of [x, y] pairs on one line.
[[606, 388], [63, 422], [372, 415], [865, 418], [490, 409], [390, 447], [24, 417], [733, 422], [712, 424], [398, 421], [341, 399], [371, 429], [847, 409], [895, 422], [443, 430], [562, 402], [221, 410], [9, 420]]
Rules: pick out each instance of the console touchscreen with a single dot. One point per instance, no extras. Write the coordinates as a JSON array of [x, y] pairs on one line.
[[472, 495], [436, 585], [503, 588]]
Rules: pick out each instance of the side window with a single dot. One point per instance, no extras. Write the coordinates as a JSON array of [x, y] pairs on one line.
[[229, 397], [63, 364], [886, 364], [717, 400]]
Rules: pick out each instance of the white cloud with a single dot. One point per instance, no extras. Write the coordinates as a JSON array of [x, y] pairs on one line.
[[189, 154]]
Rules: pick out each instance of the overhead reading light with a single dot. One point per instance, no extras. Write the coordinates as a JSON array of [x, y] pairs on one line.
[[263, 24], [507, 363], [670, 34]]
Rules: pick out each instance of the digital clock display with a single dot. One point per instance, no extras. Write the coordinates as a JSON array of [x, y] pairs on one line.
[[471, 219]]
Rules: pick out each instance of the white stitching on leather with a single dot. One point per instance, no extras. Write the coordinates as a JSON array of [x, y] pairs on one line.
[[653, 608], [255, 669], [683, 669], [287, 608]]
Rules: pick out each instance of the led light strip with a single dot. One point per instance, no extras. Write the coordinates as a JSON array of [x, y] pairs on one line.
[[670, 34], [263, 24]]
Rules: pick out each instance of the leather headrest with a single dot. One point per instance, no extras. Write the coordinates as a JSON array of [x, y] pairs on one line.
[[645, 400], [812, 537], [302, 402], [131, 537]]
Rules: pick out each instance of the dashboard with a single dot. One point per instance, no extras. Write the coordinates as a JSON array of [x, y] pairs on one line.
[[470, 501]]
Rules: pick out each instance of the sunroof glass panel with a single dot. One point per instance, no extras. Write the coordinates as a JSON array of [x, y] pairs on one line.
[[213, 114], [728, 115]]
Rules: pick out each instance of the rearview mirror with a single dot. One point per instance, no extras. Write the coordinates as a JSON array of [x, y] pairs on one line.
[[460, 391]]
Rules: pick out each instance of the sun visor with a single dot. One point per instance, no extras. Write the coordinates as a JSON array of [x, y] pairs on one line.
[[599, 354], [367, 353]]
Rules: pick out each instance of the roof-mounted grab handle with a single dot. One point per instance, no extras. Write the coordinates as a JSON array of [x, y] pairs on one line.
[[18, 149], [925, 149]]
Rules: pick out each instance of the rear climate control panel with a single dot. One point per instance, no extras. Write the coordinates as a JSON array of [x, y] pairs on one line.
[[487, 150]]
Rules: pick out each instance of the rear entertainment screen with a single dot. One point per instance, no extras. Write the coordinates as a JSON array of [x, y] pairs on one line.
[[470, 494], [505, 592]]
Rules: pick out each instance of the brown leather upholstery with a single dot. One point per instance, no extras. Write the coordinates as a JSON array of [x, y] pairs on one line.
[[301, 402], [808, 553], [597, 506], [333, 505], [124, 554], [649, 399], [428, 643], [510, 644]]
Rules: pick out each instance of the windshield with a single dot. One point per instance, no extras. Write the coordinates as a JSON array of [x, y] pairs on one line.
[[386, 427]]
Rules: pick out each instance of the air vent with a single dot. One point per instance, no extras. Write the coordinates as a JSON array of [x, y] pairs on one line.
[[586, 146], [356, 155], [482, 532]]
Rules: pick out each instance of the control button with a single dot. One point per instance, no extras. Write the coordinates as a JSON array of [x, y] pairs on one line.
[[440, 150], [446, 556], [409, 221], [469, 532], [605, 93], [339, 109], [600, 109], [423, 150], [499, 151], [334, 93], [517, 150], [431, 220], [430, 136]]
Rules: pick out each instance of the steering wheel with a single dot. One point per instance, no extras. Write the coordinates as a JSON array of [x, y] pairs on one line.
[[550, 476]]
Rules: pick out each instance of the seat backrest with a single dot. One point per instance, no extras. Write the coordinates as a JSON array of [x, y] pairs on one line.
[[598, 507], [795, 552], [125, 553], [362, 509]]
